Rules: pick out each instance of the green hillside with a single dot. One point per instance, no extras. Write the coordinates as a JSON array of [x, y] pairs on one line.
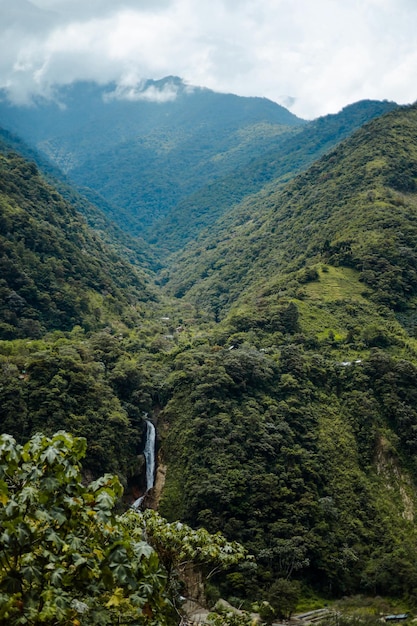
[[145, 156], [291, 429], [286, 155], [69, 307], [277, 358], [96, 211], [55, 273], [354, 207]]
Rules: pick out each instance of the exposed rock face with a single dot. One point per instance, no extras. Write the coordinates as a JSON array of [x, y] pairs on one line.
[[152, 500], [394, 477]]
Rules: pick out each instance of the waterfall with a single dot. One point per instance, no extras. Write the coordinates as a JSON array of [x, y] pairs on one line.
[[149, 454]]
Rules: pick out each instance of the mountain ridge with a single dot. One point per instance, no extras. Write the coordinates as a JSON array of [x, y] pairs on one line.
[[180, 163], [135, 131], [258, 230], [293, 153], [52, 265]]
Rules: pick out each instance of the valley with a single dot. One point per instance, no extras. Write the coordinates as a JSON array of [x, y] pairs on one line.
[[246, 281]]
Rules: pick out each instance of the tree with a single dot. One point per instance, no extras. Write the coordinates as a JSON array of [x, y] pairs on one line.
[[283, 596], [65, 559], [183, 550]]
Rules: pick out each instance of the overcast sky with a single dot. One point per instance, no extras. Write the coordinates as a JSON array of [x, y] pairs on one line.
[[313, 56]]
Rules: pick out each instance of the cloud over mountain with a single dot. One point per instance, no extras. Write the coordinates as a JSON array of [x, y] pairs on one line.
[[318, 56]]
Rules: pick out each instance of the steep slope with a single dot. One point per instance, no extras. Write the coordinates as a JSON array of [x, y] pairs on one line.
[[286, 156], [69, 307], [354, 207], [54, 272], [292, 428], [142, 155], [101, 220]]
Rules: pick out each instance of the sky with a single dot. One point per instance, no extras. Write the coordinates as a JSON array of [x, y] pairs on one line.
[[312, 56]]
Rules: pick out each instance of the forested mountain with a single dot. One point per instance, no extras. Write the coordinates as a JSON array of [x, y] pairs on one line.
[[98, 214], [280, 370], [59, 283], [291, 429], [167, 169], [144, 156], [55, 273], [352, 206], [287, 155]]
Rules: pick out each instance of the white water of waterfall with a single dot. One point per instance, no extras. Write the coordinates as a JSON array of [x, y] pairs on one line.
[[149, 454]]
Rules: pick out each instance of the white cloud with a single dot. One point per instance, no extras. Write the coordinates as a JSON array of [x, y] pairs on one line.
[[317, 55], [135, 91]]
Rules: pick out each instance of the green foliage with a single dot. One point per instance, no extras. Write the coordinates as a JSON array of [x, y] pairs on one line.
[[278, 452], [266, 612], [97, 386], [64, 557], [176, 544], [283, 596], [182, 550], [230, 618], [54, 272], [341, 211], [286, 416]]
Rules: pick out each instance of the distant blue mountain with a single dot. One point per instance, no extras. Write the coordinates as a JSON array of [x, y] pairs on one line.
[[164, 159]]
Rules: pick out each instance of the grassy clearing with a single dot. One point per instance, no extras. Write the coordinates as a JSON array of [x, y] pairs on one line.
[[332, 303], [336, 283]]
